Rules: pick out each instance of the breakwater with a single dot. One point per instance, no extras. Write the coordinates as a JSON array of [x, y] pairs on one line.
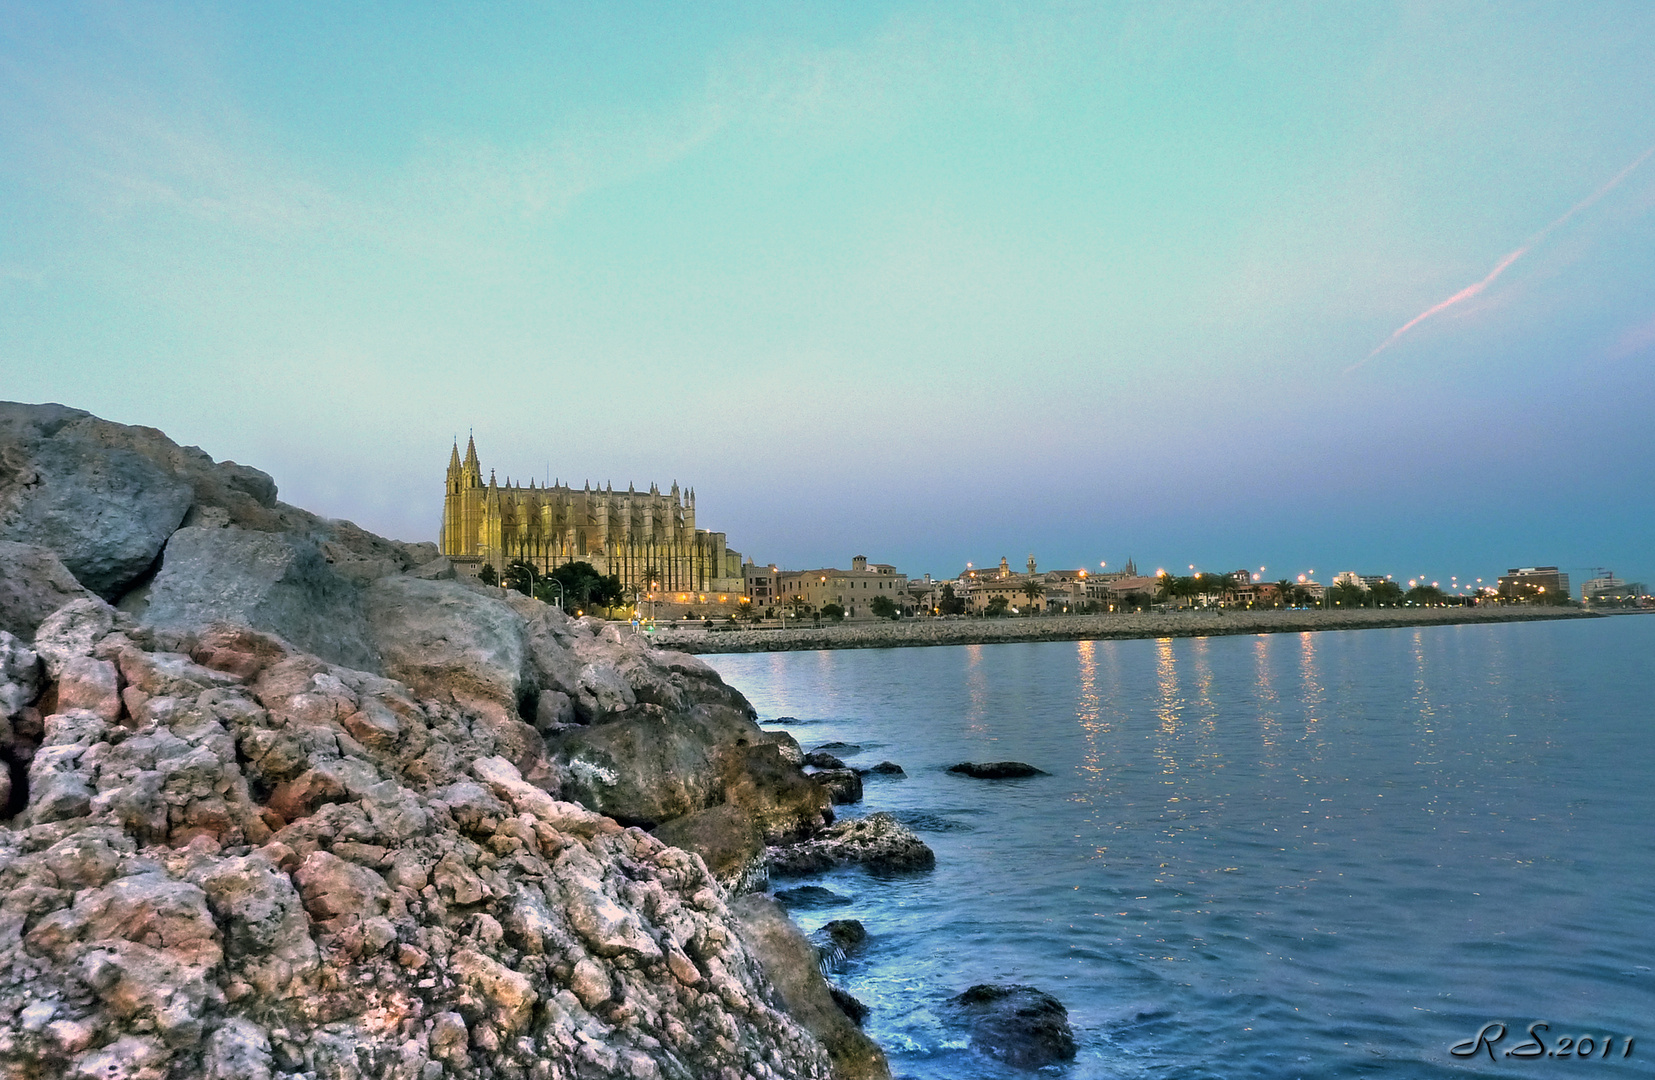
[[916, 632]]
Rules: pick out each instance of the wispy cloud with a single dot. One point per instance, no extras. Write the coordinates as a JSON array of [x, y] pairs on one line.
[[1500, 267]]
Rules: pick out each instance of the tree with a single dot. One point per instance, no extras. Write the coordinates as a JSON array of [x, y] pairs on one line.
[[1166, 588], [997, 607], [1386, 593], [950, 604], [1349, 594], [1286, 592], [1137, 601], [834, 612], [521, 575], [883, 607], [1425, 595], [487, 575], [583, 587]]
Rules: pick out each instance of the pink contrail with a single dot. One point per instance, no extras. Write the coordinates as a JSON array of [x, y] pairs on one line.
[[1472, 290]]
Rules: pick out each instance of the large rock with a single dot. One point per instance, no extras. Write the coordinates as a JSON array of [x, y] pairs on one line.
[[33, 584], [104, 509], [445, 640], [19, 680], [996, 770], [273, 582], [791, 963], [1018, 1025]]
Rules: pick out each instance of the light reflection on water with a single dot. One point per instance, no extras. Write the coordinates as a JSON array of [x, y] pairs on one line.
[[1261, 856]]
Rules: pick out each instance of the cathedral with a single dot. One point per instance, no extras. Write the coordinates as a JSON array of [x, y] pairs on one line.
[[647, 539]]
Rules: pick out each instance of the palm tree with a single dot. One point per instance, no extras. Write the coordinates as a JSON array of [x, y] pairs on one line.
[[1033, 590], [1166, 587], [1285, 592]]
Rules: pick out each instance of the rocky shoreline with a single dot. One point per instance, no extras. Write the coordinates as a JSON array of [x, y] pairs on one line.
[[921, 632], [284, 801]]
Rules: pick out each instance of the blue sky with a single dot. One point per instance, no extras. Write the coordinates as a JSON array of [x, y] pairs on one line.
[[930, 282]]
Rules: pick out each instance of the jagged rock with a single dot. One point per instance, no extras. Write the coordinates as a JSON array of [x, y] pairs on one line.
[[33, 584], [877, 841], [821, 759], [1019, 1025], [70, 632], [438, 569], [104, 509], [843, 785], [19, 680], [273, 582], [790, 962], [996, 770], [884, 768], [848, 935]]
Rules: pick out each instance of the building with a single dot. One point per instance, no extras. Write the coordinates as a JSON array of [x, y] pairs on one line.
[[647, 539], [762, 585], [1533, 583], [1606, 588], [853, 589]]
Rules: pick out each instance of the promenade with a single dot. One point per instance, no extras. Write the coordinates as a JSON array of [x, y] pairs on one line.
[[695, 638]]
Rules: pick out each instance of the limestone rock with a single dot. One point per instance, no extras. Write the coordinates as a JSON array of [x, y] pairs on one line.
[[1019, 1025], [878, 841], [71, 631], [19, 679], [273, 582], [33, 584], [726, 839], [843, 785], [444, 639]]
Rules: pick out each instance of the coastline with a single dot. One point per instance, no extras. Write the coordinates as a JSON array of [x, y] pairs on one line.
[[923, 632]]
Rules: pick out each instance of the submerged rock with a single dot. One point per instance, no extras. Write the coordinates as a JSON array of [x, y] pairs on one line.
[[884, 768], [1018, 1025], [996, 770], [811, 896], [878, 842]]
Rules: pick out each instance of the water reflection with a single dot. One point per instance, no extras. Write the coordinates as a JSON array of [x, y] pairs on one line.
[[1267, 705], [976, 685]]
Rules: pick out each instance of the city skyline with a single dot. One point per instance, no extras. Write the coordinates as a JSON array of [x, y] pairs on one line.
[[1352, 290]]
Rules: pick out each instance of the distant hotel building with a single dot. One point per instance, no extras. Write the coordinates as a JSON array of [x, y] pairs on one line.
[[1530, 582]]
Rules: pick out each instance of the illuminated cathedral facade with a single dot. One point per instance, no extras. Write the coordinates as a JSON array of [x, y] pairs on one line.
[[647, 539]]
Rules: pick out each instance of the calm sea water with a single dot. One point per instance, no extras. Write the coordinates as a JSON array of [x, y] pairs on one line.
[[1316, 855]]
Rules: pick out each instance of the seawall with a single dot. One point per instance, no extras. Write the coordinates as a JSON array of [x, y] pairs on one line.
[[917, 632]]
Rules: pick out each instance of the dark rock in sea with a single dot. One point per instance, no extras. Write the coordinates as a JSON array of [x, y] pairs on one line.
[[841, 747], [848, 934], [783, 720], [848, 1005], [927, 821], [811, 896], [878, 842], [790, 963], [820, 759], [1018, 1025], [844, 785], [884, 768], [996, 770]]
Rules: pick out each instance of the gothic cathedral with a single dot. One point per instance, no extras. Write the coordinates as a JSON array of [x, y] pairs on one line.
[[648, 540]]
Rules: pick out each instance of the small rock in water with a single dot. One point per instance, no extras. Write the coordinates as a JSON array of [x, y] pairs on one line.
[[783, 720], [843, 785], [841, 747], [996, 770], [820, 759], [811, 896], [878, 841], [884, 768], [1018, 1025]]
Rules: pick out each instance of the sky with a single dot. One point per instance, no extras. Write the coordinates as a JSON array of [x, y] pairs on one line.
[[1303, 287]]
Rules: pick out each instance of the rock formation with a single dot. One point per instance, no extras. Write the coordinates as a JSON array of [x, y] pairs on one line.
[[1018, 1025], [292, 810]]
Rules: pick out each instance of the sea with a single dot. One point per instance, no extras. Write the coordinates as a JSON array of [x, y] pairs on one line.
[[1364, 853]]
